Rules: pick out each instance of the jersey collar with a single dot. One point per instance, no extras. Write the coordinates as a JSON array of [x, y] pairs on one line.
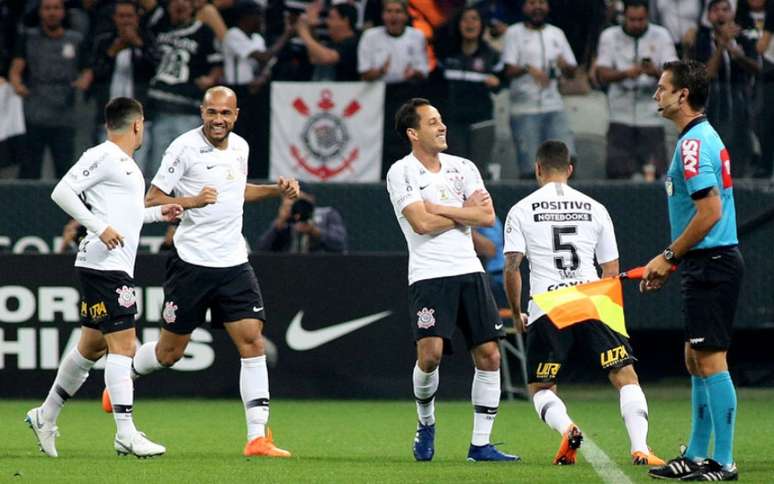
[[693, 123]]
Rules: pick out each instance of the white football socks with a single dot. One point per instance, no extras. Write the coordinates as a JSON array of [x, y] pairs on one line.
[[551, 409], [485, 395], [145, 361], [634, 410], [71, 374], [254, 389], [425, 386], [118, 380]]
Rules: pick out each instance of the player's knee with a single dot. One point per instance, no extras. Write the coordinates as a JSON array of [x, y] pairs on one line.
[[168, 356], [429, 360], [621, 377], [251, 347], [487, 356], [489, 361]]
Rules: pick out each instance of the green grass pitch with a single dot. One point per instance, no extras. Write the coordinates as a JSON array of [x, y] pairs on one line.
[[361, 441]]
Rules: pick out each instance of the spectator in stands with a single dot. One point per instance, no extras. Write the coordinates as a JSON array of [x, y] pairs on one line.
[[248, 66], [751, 17], [337, 61], [124, 62], [732, 63], [536, 54], [210, 16], [301, 227], [396, 54], [50, 64], [11, 119], [680, 18], [469, 68], [581, 22], [189, 66], [629, 61], [72, 234], [488, 242], [497, 15], [765, 48]]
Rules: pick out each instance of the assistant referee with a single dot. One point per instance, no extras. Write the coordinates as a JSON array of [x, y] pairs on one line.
[[705, 246]]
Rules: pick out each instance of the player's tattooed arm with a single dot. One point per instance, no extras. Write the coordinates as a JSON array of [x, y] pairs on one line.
[[512, 279]]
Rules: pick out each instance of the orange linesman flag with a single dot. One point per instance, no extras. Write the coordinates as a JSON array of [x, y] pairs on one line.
[[601, 300]]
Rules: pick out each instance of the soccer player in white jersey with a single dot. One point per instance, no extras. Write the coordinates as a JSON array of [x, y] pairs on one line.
[[561, 231], [104, 192], [206, 168], [437, 199]]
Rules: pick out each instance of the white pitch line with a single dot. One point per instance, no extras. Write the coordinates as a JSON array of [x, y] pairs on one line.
[[603, 466]]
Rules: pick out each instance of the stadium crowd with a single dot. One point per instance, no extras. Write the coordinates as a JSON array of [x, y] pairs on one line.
[[62, 55]]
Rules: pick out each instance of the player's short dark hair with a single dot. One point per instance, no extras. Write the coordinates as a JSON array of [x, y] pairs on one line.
[[348, 12], [553, 155], [691, 75], [408, 117], [121, 112], [636, 4]]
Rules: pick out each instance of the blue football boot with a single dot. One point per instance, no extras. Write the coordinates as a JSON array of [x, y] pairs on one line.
[[489, 453], [424, 442]]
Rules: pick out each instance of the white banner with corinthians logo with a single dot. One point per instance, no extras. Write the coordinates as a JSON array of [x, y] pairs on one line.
[[327, 131]]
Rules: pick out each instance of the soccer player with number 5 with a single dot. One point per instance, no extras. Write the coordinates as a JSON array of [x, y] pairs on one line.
[[563, 232]]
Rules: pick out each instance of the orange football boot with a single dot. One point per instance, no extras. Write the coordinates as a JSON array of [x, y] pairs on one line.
[[643, 459], [571, 442], [264, 447], [107, 405]]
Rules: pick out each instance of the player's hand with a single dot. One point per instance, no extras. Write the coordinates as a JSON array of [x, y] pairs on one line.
[[171, 212], [111, 238], [655, 274], [288, 187], [432, 208], [520, 323], [479, 198], [207, 196]]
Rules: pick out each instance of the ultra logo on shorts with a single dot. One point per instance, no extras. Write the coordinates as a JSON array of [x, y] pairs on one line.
[[126, 296], [547, 370], [169, 312], [98, 311], [613, 356], [426, 318]]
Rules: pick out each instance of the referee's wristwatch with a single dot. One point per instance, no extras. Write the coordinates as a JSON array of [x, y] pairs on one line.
[[670, 256]]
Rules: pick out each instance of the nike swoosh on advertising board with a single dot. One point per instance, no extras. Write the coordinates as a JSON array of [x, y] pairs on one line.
[[300, 339]]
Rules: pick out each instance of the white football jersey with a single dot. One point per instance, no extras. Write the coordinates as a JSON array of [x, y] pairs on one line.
[[209, 236], [111, 184], [560, 230], [450, 253]]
